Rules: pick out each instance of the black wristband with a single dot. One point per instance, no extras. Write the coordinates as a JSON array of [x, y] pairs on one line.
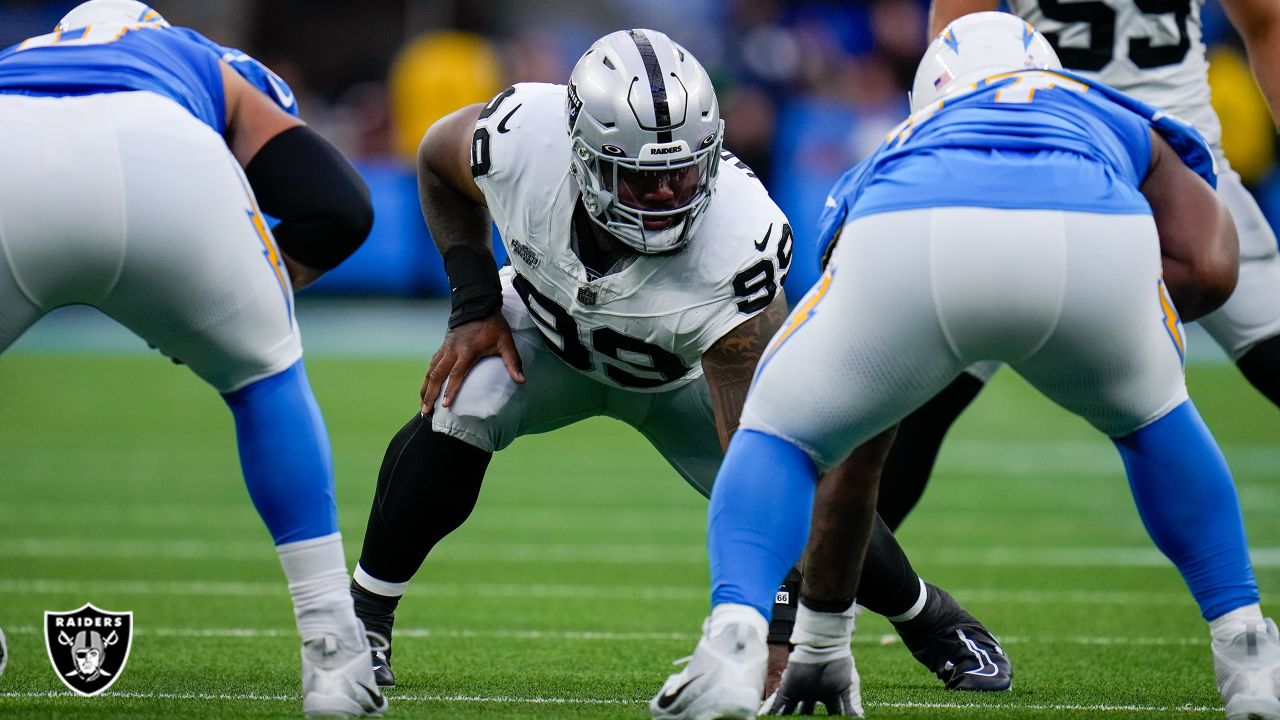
[[473, 280]]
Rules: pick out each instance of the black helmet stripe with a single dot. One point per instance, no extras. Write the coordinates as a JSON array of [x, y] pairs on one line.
[[661, 110]]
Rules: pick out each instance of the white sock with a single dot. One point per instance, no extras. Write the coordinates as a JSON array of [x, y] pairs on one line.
[[820, 637], [317, 574], [1225, 627], [378, 587], [914, 610], [729, 613]]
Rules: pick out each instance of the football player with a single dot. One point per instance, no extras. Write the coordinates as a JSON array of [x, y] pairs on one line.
[[1155, 52], [139, 159], [960, 222], [644, 276]]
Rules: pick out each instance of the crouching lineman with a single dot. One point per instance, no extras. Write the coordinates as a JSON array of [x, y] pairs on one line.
[[124, 140], [1024, 220], [643, 285]]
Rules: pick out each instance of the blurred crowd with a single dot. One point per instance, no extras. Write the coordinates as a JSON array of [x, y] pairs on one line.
[[807, 87]]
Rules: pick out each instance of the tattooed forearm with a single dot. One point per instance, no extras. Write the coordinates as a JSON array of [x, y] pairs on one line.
[[731, 362]]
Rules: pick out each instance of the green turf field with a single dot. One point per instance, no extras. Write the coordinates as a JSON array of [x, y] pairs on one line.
[[582, 574]]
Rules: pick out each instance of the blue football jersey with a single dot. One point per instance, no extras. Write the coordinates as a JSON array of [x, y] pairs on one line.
[[1033, 139], [178, 63], [257, 74]]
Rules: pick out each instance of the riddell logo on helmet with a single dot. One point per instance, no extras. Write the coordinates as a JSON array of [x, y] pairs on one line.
[[88, 647]]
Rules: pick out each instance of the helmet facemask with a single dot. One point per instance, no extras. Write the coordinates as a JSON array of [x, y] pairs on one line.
[[653, 206]]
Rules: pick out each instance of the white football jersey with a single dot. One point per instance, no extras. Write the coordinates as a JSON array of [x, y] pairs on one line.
[[1151, 49], [646, 326]]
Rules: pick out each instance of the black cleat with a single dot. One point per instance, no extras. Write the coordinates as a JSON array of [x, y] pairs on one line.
[[382, 672], [378, 615], [949, 641]]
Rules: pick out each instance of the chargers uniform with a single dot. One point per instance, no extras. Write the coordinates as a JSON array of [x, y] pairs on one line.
[[121, 192], [1060, 279], [627, 344], [1159, 57], [1004, 220], [123, 195]]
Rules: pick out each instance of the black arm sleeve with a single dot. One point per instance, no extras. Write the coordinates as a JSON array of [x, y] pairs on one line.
[[321, 202]]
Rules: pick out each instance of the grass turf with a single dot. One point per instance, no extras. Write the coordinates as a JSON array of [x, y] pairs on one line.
[[582, 573]]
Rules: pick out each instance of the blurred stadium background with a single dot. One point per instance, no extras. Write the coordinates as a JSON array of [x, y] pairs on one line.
[[583, 572], [807, 87]]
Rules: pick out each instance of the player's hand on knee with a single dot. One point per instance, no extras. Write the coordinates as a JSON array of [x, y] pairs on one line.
[[832, 683], [463, 347]]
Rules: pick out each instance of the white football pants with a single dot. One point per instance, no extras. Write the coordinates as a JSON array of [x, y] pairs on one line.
[[491, 410], [1072, 301], [127, 202]]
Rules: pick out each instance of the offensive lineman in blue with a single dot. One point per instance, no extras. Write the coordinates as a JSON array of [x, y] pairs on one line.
[[139, 159], [1020, 214]]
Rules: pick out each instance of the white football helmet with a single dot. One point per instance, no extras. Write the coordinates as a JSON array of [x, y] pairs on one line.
[[109, 12], [646, 133], [974, 47]]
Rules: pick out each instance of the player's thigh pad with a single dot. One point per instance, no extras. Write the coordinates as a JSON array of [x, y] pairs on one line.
[[681, 425], [1114, 356], [491, 410], [202, 278], [1252, 313], [862, 349]]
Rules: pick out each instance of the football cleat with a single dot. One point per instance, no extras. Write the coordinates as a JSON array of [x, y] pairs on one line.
[[337, 680], [378, 615], [949, 641], [381, 662], [833, 684], [1247, 669], [724, 678]]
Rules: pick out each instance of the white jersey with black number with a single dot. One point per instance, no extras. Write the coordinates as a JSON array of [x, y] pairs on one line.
[[1151, 49], [644, 327]]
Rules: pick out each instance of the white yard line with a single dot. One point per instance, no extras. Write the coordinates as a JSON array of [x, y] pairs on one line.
[[606, 636], [539, 591], [622, 554], [498, 699]]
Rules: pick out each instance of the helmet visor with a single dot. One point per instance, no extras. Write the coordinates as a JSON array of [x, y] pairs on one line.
[[662, 194]]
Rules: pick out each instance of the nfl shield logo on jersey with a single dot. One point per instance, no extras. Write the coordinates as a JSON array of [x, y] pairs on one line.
[[88, 647]]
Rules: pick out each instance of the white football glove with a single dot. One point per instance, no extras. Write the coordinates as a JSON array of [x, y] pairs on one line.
[[821, 668]]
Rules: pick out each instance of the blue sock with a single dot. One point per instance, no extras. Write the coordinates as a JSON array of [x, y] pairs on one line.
[[285, 455], [1188, 504], [758, 523]]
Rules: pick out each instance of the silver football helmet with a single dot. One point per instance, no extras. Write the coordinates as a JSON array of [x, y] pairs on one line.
[[646, 133], [977, 46], [112, 12]]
